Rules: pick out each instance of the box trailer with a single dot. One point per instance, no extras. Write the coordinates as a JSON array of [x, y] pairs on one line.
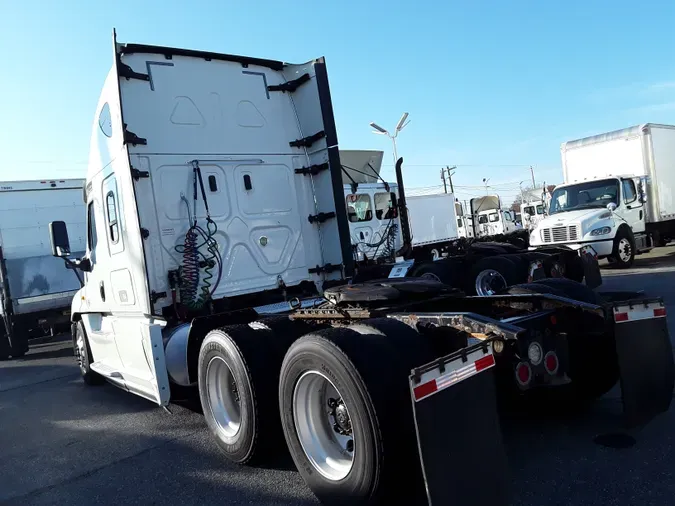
[[36, 289]]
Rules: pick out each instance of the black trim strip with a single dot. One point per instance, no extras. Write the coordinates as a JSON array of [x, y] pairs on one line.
[[289, 86], [335, 166], [306, 142], [554, 244], [170, 52]]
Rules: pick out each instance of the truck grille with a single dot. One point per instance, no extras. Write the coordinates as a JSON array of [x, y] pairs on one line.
[[560, 234]]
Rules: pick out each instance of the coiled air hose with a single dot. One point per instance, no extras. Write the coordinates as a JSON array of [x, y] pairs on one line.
[[196, 288]]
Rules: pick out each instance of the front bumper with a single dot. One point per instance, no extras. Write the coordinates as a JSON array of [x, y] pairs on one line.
[[603, 247]]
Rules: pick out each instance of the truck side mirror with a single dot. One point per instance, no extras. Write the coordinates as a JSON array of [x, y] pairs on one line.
[[611, 207], [58, 235]]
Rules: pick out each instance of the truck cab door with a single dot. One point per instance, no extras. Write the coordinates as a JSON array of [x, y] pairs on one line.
[[631, 209], [100, 332]]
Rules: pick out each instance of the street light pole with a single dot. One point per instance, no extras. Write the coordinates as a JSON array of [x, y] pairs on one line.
[[445, 186], [532, 173], [402, 123]]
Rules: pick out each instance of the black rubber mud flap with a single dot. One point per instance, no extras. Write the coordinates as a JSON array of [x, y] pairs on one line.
[[645, 356], [589, 259], [458, 432]]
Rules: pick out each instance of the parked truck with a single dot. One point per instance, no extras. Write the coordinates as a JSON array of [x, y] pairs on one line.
[[490, 219], [219, 257], [617, 196], [36, 289]]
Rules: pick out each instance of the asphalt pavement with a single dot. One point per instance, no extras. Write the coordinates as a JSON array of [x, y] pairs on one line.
[[63, 443]]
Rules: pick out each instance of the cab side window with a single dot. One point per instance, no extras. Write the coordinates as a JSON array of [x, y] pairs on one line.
[[113, 224], [629, 192], [92, 239]]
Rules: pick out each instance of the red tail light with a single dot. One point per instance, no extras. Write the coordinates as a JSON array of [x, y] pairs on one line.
[[523, 374], [551, 363]]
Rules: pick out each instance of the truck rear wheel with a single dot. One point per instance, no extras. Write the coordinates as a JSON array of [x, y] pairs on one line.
[[491, 275], [448, 272], [347, 418], [238, 369]]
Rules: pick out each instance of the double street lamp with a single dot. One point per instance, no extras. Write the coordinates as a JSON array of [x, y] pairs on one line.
[[402, 123]]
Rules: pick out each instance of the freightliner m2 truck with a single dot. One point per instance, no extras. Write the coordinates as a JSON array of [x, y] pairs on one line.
[[618, 194]]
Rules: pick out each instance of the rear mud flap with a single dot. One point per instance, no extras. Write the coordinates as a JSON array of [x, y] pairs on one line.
[[458, 433], [645, 356], [589, 260]]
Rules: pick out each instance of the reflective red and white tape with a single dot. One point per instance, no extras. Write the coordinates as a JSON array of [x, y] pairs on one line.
[[643, 312], [456, 370]]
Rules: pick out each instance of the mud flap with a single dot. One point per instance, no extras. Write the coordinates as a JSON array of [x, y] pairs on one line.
[[458, 433], [589, 260], [645, 356]]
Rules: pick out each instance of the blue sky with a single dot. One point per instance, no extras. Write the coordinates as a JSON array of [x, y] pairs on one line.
[[492, 87]]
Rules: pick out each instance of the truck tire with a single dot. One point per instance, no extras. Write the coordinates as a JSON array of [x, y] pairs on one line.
[[448, 272], [238, 368], [572, 290], [4, 347], [491, 275], [84, 357], [347, 418], [623, 252]]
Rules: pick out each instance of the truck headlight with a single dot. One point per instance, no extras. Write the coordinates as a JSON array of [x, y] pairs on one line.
[[601, 231]]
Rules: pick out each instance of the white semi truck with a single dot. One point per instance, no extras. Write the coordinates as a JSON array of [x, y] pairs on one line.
[[532, 212], [489, 219], [36, 289], [618, 195], [214, 198]]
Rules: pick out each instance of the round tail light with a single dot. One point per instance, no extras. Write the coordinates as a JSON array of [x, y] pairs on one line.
[[523, 374], [551, 363]]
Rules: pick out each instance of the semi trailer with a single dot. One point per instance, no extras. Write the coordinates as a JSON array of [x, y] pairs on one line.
[[617, 195], [219, 258], [36, 289]]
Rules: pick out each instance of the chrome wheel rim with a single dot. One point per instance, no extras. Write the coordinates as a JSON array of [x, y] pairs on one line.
[[223, 396], [323, 425], [489, 282], [625, 250]]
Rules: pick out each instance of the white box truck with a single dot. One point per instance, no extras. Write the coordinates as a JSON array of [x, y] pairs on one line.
[[223, 202], [36, 289], [618, 195]]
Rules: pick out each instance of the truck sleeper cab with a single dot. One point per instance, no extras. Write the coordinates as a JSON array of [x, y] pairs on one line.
[[257, 217]]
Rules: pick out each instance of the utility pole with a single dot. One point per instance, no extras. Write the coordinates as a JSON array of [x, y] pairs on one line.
[[445, 186], [452, 189], [534, 185]]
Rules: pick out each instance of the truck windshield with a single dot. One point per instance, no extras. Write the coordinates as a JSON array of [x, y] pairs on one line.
[[529, 210], [494, 217], [585, 195], [482, 219], [540, 209]]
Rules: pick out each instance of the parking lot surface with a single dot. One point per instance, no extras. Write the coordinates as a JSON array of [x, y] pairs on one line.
[[65, 443]]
